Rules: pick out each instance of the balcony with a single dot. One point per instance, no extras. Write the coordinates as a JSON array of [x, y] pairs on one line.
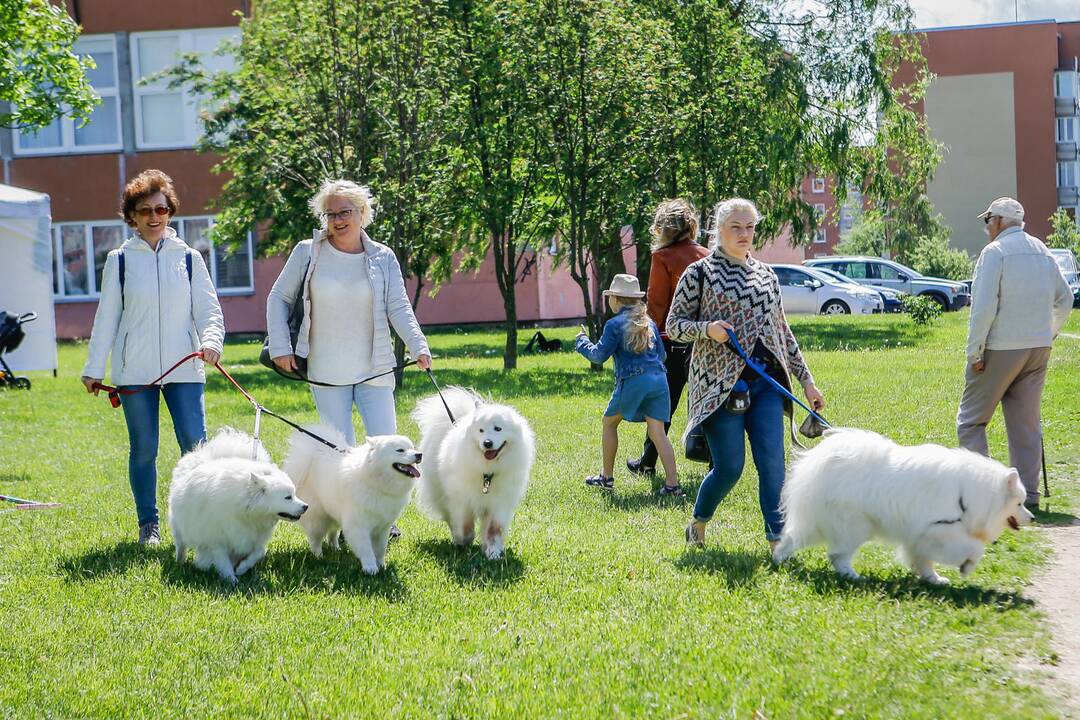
[[1066, 151], [1066, 107], [1068, 196]]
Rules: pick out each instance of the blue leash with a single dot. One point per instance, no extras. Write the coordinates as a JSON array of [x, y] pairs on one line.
[[733, 340]]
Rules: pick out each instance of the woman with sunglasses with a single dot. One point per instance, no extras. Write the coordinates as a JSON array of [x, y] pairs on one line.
[[157, 305], [352, 292]]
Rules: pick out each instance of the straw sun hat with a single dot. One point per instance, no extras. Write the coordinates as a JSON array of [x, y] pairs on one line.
[[625, 286]]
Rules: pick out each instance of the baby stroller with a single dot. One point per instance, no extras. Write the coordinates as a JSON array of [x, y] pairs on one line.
[[11, 334]]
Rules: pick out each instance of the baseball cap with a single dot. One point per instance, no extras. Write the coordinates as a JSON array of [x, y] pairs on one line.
[[1004, 207]]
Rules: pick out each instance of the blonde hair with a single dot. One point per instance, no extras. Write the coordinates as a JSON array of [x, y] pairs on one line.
[[723, 210], [359, 195], [639, 335], [675, 221]]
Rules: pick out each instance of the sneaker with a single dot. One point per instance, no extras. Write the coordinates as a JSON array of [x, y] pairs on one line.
[[600, 481], [636, 467], [695, 535], [671, 491], [149, 534]]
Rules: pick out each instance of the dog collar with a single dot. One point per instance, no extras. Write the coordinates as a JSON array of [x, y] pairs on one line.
[[487, 481], [959, 519]]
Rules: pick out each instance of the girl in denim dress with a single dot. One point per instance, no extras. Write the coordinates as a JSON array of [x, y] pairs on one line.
[[641, 388]]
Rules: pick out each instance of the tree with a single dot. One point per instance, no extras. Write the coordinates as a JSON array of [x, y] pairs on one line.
[[326, 89], [506, 208], [40, 75], [1065, 233]]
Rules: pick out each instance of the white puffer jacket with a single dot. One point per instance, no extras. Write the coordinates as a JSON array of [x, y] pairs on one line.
[[161, 318]]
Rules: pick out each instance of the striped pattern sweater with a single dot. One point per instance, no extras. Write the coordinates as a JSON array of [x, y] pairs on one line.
[[747, 295]]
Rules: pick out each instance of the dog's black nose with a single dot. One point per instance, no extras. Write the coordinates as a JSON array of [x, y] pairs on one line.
[[488, 444], [304, 509], [419, 457]]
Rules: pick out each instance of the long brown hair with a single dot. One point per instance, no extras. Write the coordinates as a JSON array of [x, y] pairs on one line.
[[675, 221], [639, 335]]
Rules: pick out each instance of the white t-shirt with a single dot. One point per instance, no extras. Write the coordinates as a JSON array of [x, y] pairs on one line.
[[342, 324]]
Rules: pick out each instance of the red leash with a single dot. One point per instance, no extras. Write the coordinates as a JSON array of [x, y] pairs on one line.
[[115, 393]]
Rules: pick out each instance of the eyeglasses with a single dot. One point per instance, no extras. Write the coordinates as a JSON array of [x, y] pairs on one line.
[[145, 212], [332, 216]]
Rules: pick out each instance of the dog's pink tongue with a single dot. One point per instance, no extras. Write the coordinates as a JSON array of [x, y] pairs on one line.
[[491, 454]]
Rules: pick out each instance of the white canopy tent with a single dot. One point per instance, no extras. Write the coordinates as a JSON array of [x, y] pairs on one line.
[[26, 275]]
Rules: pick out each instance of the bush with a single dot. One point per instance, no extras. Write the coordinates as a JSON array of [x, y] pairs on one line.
[[936, 259], [923, 310]]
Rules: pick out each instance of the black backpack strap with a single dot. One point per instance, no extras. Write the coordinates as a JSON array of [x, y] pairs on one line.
[[120, 259], [187, 261]]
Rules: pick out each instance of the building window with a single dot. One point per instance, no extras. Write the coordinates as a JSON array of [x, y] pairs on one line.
[[819, 236], [81, 249], [1065, 84], [819, 208], [818, 185], [102, 130], [1066, 173], [166, 118], [1066, 129]]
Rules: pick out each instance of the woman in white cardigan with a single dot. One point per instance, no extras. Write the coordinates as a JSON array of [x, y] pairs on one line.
[[352, 292], [162, 308]]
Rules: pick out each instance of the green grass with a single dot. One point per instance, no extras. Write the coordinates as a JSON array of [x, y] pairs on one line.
[[597, 610]]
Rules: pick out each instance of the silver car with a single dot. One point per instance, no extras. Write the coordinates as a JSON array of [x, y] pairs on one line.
[[878, 272], [805, 290], [1067, 262]]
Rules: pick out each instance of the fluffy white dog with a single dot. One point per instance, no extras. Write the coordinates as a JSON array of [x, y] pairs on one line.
[[938, 504], [477, 469], [361, 491], [224, 503]]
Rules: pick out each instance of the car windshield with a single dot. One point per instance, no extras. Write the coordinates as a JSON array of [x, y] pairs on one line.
[[1065, 261]]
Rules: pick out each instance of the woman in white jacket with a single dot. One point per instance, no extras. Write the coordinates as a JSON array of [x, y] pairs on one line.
[[352, 291], [160, 309]]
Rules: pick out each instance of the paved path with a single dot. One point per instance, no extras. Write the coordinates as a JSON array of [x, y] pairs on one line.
[[1057, 593]]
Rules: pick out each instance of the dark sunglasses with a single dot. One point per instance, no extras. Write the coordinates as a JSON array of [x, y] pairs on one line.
[[986, 220], [145, 212]]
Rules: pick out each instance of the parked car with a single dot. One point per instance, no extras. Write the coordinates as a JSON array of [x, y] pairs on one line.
[[1067, 262], [891, 299], [878, 272], [805, 290]]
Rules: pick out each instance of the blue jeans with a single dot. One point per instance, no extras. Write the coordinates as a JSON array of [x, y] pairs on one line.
[[763, 423], [375, 403], [188, 411]]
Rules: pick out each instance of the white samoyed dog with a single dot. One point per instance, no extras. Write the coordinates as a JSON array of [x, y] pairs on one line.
[[224, 503], [476, 469], [938, 504], [361, 491]]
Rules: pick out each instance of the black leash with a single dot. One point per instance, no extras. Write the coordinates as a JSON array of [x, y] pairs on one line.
[[439, 390], [302, 378]]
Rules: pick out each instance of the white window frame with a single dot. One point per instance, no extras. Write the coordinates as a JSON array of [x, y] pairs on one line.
[[94, 293], [188, 101], [1065, 80], [819, 208], [1063, 170], [1068, 124], [820, 236], [67, 144], [817, 185]]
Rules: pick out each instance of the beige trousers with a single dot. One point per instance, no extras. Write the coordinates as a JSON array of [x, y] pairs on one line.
[[1015, 379]]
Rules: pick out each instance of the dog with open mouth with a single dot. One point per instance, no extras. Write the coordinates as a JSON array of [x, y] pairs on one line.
[[937, 504], [225, 500], [360, 491], [477, 468]]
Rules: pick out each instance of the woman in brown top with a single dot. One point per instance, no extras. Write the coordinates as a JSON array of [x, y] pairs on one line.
[[730, 290], [674, 246]]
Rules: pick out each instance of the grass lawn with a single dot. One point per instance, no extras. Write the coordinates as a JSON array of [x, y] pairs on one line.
[[597, 610]]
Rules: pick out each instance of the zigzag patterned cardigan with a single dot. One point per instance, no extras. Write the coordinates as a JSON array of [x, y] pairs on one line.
[[745, 295]]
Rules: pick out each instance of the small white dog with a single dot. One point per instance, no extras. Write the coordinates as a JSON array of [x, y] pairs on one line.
[[361, 491], [477, 469], [938, 504], [225, 505]]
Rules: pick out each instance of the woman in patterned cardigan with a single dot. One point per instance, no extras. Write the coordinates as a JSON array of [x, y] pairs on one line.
[[729, 289]]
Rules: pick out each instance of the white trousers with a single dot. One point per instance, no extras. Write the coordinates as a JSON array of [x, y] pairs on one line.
[[375, 403]]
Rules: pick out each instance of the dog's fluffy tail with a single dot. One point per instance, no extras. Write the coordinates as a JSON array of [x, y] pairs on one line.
[[430, 415], [228, 443], [303, 450]]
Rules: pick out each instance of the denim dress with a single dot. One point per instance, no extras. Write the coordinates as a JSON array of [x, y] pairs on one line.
[[641, 387]]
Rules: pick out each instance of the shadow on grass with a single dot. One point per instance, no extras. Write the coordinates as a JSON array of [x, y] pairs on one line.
[[824, 581], [1049, 518], [494, 382], [468, 566], [279, 573], [640, 498], [736, 567], [855, 336]]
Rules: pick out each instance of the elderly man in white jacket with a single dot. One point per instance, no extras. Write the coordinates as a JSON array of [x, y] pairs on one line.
[[157, 305], [1019, 303]]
